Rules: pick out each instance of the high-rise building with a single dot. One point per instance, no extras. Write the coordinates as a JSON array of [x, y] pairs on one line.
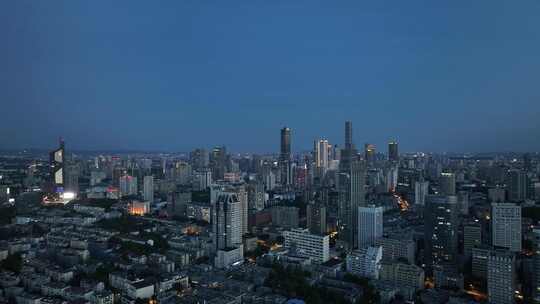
[[501, 277], [242, 195], [441, 232], [472, 237], [57, 162], [285, 157], [421, 190], [181, 173], [536, 261], [202, 179], [148, 188], [320, 156], [71, 177], [447, 183], [393, 154], [305, 244], [365, 262], [348, 153], [226, 221], [285, 150], [348, 135], [256, 196], [128, 185], [506, 226], [369, 154], [218, 162], [391, 177], [178, 202], [199, 159], [351, 196], [517, 185], [370, 225], [316, 218], [463, 202], [479, 265]]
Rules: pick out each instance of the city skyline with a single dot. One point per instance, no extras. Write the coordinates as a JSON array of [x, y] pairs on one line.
[[436, 77], [284, 152]]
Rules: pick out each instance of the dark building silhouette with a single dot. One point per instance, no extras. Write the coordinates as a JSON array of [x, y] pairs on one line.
[[57, 162]]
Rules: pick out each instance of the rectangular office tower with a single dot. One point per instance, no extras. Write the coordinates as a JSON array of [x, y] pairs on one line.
[[148, 188], [351, 195], [316, 218], [370, 225], [226, 221], [506, 226], [501, 272], [393, 154], [320, 157], [447, 183], [441, 233], [285, 156], [421, 190]]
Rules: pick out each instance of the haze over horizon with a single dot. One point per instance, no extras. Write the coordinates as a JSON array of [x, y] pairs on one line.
[[458, 77]]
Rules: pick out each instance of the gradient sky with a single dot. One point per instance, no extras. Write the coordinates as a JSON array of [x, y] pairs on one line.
[[460, 76]]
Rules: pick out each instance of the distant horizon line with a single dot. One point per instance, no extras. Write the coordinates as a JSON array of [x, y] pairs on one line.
[[170, 151]]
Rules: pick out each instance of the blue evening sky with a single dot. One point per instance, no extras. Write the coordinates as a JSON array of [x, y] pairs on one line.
[[174, 75]]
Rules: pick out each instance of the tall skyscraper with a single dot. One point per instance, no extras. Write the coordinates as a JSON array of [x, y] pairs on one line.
[[472, 237], [421, 190], [463, 202], [501, 273], [285, 157], [181, 173], [320, 156], [256, 196], [517, 185], [202, 179], [536, 259], [447, 183], [391, 177], [57, 162], [226, 221], [369, 154], [199, 159], [506, 226], [148, 188], [218, 162], [285, 150], [348, 153], [393, 154], [316, 218], [226, 218], [348, 135], [527, 162], [71, 177], [351, 195], [370, 225], [128, 185], [441, 232], [242, 195]]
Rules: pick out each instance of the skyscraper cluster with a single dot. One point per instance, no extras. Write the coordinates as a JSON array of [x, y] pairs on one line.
[[454, 223]]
